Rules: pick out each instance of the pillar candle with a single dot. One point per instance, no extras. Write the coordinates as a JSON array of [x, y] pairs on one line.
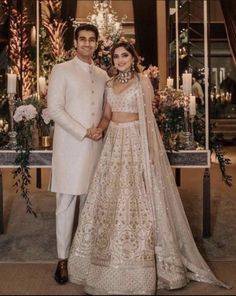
[[170, 82], [33, 36], [42, 84], [187, 83], [192, 105], [11, 83]]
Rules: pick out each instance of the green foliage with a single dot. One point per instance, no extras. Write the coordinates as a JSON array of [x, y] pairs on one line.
[[46, 60], [24, 126], [4, 107], [21, 174], [217, 148], [24, 130], [4, 138], [171, 127], [4, 116], [215, 145], [171, 121], [170, 117]]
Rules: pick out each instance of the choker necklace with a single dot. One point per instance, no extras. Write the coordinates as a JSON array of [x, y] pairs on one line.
[[124, 77]]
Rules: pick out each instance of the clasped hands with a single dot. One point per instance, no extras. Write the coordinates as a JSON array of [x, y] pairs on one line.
[[94, 133]]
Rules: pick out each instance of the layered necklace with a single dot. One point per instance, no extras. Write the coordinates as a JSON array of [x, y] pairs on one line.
[[124, 77]]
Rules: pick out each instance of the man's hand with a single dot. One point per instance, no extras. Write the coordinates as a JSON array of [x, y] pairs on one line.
[[94, 133], [97, 134]]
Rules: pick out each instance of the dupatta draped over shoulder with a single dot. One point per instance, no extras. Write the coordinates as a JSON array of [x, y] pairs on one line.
[[177, 258]]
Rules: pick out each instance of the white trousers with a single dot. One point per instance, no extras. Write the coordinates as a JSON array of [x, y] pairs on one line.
[[65, 212]]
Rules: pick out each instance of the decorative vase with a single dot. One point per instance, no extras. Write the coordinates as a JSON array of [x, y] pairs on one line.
[[12, 145], [46, 141]]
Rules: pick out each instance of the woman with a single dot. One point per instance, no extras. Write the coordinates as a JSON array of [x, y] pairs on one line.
[[133, 236]]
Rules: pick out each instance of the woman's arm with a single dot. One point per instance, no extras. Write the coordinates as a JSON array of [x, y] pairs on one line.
[[103, 124], [106, 117]]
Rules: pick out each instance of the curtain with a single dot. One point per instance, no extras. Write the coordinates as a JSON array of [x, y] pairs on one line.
[[229, 12], [146, 30]]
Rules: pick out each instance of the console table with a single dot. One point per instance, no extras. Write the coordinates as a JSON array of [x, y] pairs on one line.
[[181, 159], [38, 159]]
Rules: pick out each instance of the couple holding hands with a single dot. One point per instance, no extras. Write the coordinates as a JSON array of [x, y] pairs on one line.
[[133, 236]]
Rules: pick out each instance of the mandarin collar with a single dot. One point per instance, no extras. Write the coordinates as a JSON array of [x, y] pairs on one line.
[[87, 67]]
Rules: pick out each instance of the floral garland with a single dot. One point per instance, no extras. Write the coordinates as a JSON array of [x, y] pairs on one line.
[[24, 118], [215, 144], [29, 115]]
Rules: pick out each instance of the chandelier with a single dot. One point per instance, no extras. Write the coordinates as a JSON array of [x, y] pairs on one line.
[[106, 20]]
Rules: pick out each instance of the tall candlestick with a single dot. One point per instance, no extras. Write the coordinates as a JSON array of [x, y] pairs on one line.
[[33, 36], [177, 42], [42, 84], [37, 45], [170, 82], [192, 106], [187, 83], [11, 83]]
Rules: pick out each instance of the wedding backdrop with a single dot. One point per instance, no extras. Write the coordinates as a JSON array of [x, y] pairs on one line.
[[178, 42], [39, 40]]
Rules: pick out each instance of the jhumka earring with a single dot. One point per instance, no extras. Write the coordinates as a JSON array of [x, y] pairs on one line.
[[132, 67]]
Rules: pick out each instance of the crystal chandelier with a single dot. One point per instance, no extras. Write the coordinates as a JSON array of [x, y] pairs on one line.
[[106, 20]]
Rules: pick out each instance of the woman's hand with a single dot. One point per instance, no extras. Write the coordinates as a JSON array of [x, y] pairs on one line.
[[94, 133]]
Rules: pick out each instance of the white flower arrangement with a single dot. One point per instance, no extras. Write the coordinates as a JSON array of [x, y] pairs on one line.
[[152, 72], [44, 122], [25, 113], [45, 116]]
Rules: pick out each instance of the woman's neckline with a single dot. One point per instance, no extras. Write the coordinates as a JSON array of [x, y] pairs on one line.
[[126, 88]]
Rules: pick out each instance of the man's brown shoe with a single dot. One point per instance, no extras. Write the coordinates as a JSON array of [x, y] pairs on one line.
[[61, 274]]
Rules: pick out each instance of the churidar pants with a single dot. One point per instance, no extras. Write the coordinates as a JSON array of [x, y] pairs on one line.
[[65, 212]]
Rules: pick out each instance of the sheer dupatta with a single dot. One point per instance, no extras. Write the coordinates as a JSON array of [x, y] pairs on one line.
[[177, 257]]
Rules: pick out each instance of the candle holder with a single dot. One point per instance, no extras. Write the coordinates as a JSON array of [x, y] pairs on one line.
[[46, 141], [12, 134], [187, 136], [193, 143], [185, 140]]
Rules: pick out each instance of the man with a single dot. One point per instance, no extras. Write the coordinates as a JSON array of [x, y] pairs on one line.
[[197, 91], [229, 85], [75, 101]]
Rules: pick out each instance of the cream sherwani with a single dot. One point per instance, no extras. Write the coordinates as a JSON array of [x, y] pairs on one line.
[[75, 101]]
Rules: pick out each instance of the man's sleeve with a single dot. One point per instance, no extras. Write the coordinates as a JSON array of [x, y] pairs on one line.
[[56, 104]]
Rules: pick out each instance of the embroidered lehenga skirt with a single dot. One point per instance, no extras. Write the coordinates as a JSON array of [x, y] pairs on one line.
[[113, 248]]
